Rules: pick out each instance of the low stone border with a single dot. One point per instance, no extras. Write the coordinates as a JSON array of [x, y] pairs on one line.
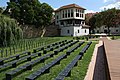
[[91, 67]]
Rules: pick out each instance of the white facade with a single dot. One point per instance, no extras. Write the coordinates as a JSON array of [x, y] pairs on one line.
[[70, 13], [71, 20], [74, 31]]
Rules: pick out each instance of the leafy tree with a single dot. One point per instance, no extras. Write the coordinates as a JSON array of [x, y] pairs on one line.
[[110, 18], [30, 12], [1, 9], [91, 22], [9, 31], [46, 14]]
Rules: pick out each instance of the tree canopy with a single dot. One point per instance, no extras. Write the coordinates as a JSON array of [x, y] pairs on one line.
[[30, 12], [109, 18], [1, 10]]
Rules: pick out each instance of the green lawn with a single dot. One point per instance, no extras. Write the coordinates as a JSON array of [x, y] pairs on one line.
[[114, 37], [117, 37], [77, 73]]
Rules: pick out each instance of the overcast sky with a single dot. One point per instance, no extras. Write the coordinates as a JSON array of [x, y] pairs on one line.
[[90, 5]]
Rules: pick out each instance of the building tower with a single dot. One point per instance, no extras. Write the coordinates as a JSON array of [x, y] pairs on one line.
[[71, 20]]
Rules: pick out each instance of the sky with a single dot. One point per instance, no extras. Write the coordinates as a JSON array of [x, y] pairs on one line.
[[90, 5]]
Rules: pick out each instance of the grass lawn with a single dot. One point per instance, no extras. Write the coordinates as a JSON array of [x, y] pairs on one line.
[[77, 73], [117, 37], [114, 37]]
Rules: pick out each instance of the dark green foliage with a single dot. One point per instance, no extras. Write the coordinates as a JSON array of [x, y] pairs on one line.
[[30, 12], [1, 9], [113, 37], [110, 18], [9, 31]]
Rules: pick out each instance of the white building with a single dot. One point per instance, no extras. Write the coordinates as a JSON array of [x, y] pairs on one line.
[[71, 20]]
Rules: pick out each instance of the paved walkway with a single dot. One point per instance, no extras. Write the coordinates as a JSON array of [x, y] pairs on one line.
[[112, 51], [105, 62]]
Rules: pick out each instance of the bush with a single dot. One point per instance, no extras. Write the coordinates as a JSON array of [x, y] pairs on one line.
[[9, 31], [113, 37], [86, 38]]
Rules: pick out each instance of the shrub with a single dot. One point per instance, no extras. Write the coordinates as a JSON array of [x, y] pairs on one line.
[[113, 37]]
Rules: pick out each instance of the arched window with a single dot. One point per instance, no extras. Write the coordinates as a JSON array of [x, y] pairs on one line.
[[77, 14], [78, 31], [116, 30], [68, 31], [71, 12], [85, 30], [57, 17], [68, 13], [63, 14]]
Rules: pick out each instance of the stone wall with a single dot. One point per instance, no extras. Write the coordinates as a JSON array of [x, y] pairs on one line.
[[30, 31], [52, 31]]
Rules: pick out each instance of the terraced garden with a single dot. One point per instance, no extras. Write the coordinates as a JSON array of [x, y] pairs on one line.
[[61, 60]]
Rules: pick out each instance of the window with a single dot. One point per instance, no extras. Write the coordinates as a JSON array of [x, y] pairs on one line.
[[85, 30], [68, 13], [61, 23], [63, 14], [105, 26], [105, 31], [78, 31], [82, 11], [97, 31], [82, 22], [82, 15], [71, 12], [68, 31], [69, 21], [116, 30], [57, 17], [76, 10], [77, 14], [77, 21]]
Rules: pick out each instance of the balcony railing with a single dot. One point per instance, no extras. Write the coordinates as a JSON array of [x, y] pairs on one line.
[[70, 25]]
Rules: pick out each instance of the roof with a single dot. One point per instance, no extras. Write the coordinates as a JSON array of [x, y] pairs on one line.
[[70, 6], [85, 26]]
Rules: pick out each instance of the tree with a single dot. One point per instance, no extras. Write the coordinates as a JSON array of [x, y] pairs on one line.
[[91, 22], [29, 12], [9, 31], [1, 9], [109, 18], [46, 14]]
